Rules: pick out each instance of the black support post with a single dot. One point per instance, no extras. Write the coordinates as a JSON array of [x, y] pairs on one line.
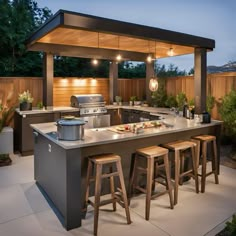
[[200, 79], [113, 83], [48, 80]]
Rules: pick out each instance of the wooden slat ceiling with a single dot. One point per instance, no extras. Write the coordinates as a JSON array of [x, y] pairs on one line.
[[76, 34], [91, 39]]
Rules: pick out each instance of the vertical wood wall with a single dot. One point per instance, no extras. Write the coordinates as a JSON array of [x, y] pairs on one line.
[[63, 88], [217, 85], [21, 84]]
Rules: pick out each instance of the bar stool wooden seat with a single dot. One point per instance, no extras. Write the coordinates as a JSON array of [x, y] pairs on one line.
[[204, 140], [98, 162], [179, 148], [152, 154]]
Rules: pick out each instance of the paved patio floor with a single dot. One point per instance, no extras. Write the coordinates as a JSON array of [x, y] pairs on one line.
[[25, 212]]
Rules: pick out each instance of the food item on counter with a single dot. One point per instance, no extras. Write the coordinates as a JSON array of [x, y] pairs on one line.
[[120, 128], [123, 128], [68, 117], [156, 123]]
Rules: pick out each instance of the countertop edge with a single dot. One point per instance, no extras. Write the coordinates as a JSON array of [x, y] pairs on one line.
[[45, 128]]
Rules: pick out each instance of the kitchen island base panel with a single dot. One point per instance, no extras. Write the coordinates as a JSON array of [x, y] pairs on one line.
[[62, 172], [58, 172]]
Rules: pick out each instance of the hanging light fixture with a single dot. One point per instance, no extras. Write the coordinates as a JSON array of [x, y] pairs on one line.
[[153, 83], [170, 52], [95, 61], [149, 57], [119, 57]]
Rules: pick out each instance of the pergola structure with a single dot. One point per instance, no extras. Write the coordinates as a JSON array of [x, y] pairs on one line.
[[78, 35]]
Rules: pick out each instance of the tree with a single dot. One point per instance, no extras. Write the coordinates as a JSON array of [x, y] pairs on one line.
[[19, 18]]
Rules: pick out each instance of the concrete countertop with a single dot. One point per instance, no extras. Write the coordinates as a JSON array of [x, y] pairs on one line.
[[142, 108], [99, 136], [48, 110]]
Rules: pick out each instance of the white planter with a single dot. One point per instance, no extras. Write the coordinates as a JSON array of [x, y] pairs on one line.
[[6, 141]]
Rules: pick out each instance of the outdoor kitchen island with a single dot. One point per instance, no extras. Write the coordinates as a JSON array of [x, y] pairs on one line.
[[60, 166]]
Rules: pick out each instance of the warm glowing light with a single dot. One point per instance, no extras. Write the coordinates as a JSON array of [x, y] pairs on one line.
[[64, 81], [149, 59], [94, 62], [170, 52], [118, 57], [79, 82], [93, 82], [153, 84]]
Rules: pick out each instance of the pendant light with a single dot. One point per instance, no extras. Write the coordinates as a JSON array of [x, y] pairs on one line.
[[153, 83], [149, 57], [95, 61], [170, 52], [119, 57]]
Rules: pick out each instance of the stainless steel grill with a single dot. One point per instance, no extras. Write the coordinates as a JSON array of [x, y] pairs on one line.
[[89, 104], [92, 109]]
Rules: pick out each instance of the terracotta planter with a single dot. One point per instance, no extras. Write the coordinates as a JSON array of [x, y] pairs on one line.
[[25, 106]]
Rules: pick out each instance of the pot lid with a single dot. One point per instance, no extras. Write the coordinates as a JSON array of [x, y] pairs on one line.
[[71, 122]]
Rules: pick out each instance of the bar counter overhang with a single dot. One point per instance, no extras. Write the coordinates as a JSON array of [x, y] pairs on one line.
[[60, 166]]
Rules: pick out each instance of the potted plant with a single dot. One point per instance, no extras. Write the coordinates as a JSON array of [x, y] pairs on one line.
[[118, 100], [25, 100], [6, 133], [132, 100], [191, 107], [181, 99], [171, 101]]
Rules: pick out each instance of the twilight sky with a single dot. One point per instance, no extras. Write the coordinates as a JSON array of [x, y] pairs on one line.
[[214, 19]]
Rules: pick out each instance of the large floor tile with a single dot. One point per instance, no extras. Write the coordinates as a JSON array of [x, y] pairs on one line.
[[115, 224], [21, 171], [25, 212], [35, 198], [195, 214], [13, 203], [28, 226]]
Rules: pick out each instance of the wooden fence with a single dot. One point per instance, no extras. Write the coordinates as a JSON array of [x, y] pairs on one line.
[[217, 85]]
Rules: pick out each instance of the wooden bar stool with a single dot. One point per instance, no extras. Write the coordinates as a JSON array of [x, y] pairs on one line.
[[204, 140], [152, 155], [179, 147], [121, 197]]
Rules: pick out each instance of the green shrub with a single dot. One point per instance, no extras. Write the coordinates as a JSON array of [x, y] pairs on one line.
[[210, 102], [171, 101], [159, 96], [230, 229], [181, 99], [228, 112]]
